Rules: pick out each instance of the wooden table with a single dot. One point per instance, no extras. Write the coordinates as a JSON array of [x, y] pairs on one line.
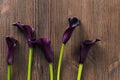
[[99, 18]]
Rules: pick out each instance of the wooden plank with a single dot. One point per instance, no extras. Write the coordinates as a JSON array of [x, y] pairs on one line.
[[99, 18]]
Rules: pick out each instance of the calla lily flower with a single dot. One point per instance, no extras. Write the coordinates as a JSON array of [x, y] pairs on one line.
[[28, 31], [84, 48], [11, 44], [44, 44], [73, 23]]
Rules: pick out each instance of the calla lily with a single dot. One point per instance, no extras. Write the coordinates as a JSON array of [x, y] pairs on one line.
[[73, 23], [11, 44], [84, 48], [44, 44], [28, 31]]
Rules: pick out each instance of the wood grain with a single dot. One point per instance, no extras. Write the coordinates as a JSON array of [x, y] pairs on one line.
[[99, 18]]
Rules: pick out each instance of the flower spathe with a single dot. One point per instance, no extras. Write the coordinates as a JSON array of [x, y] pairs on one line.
[[84, 48], [44, 44], [73, 23], [28, 31], [11, 44]]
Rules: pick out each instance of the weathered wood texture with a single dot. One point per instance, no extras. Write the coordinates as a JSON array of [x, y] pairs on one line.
[[99, 18]]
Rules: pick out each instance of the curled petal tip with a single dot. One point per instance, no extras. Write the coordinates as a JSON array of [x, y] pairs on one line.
[[18, 24], [91, 42], [15, 23], [10, 40], [73, 22]]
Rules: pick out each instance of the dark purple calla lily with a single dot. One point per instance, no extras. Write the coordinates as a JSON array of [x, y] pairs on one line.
[[28, 31], [44, 44], [84, 48], [11, 44], [73, 23]]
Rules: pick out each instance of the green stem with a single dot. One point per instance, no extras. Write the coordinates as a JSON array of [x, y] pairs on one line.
[[51, 71], [60, 60], [79, 71], [8, 72], [29, 63]]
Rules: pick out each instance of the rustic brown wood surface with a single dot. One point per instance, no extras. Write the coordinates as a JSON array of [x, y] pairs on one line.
[[99, 18]]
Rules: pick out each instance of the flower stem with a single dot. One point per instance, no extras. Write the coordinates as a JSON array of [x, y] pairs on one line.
[[51, 71], [8, 72], [60, 60], [29, 63], [79, 71]]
